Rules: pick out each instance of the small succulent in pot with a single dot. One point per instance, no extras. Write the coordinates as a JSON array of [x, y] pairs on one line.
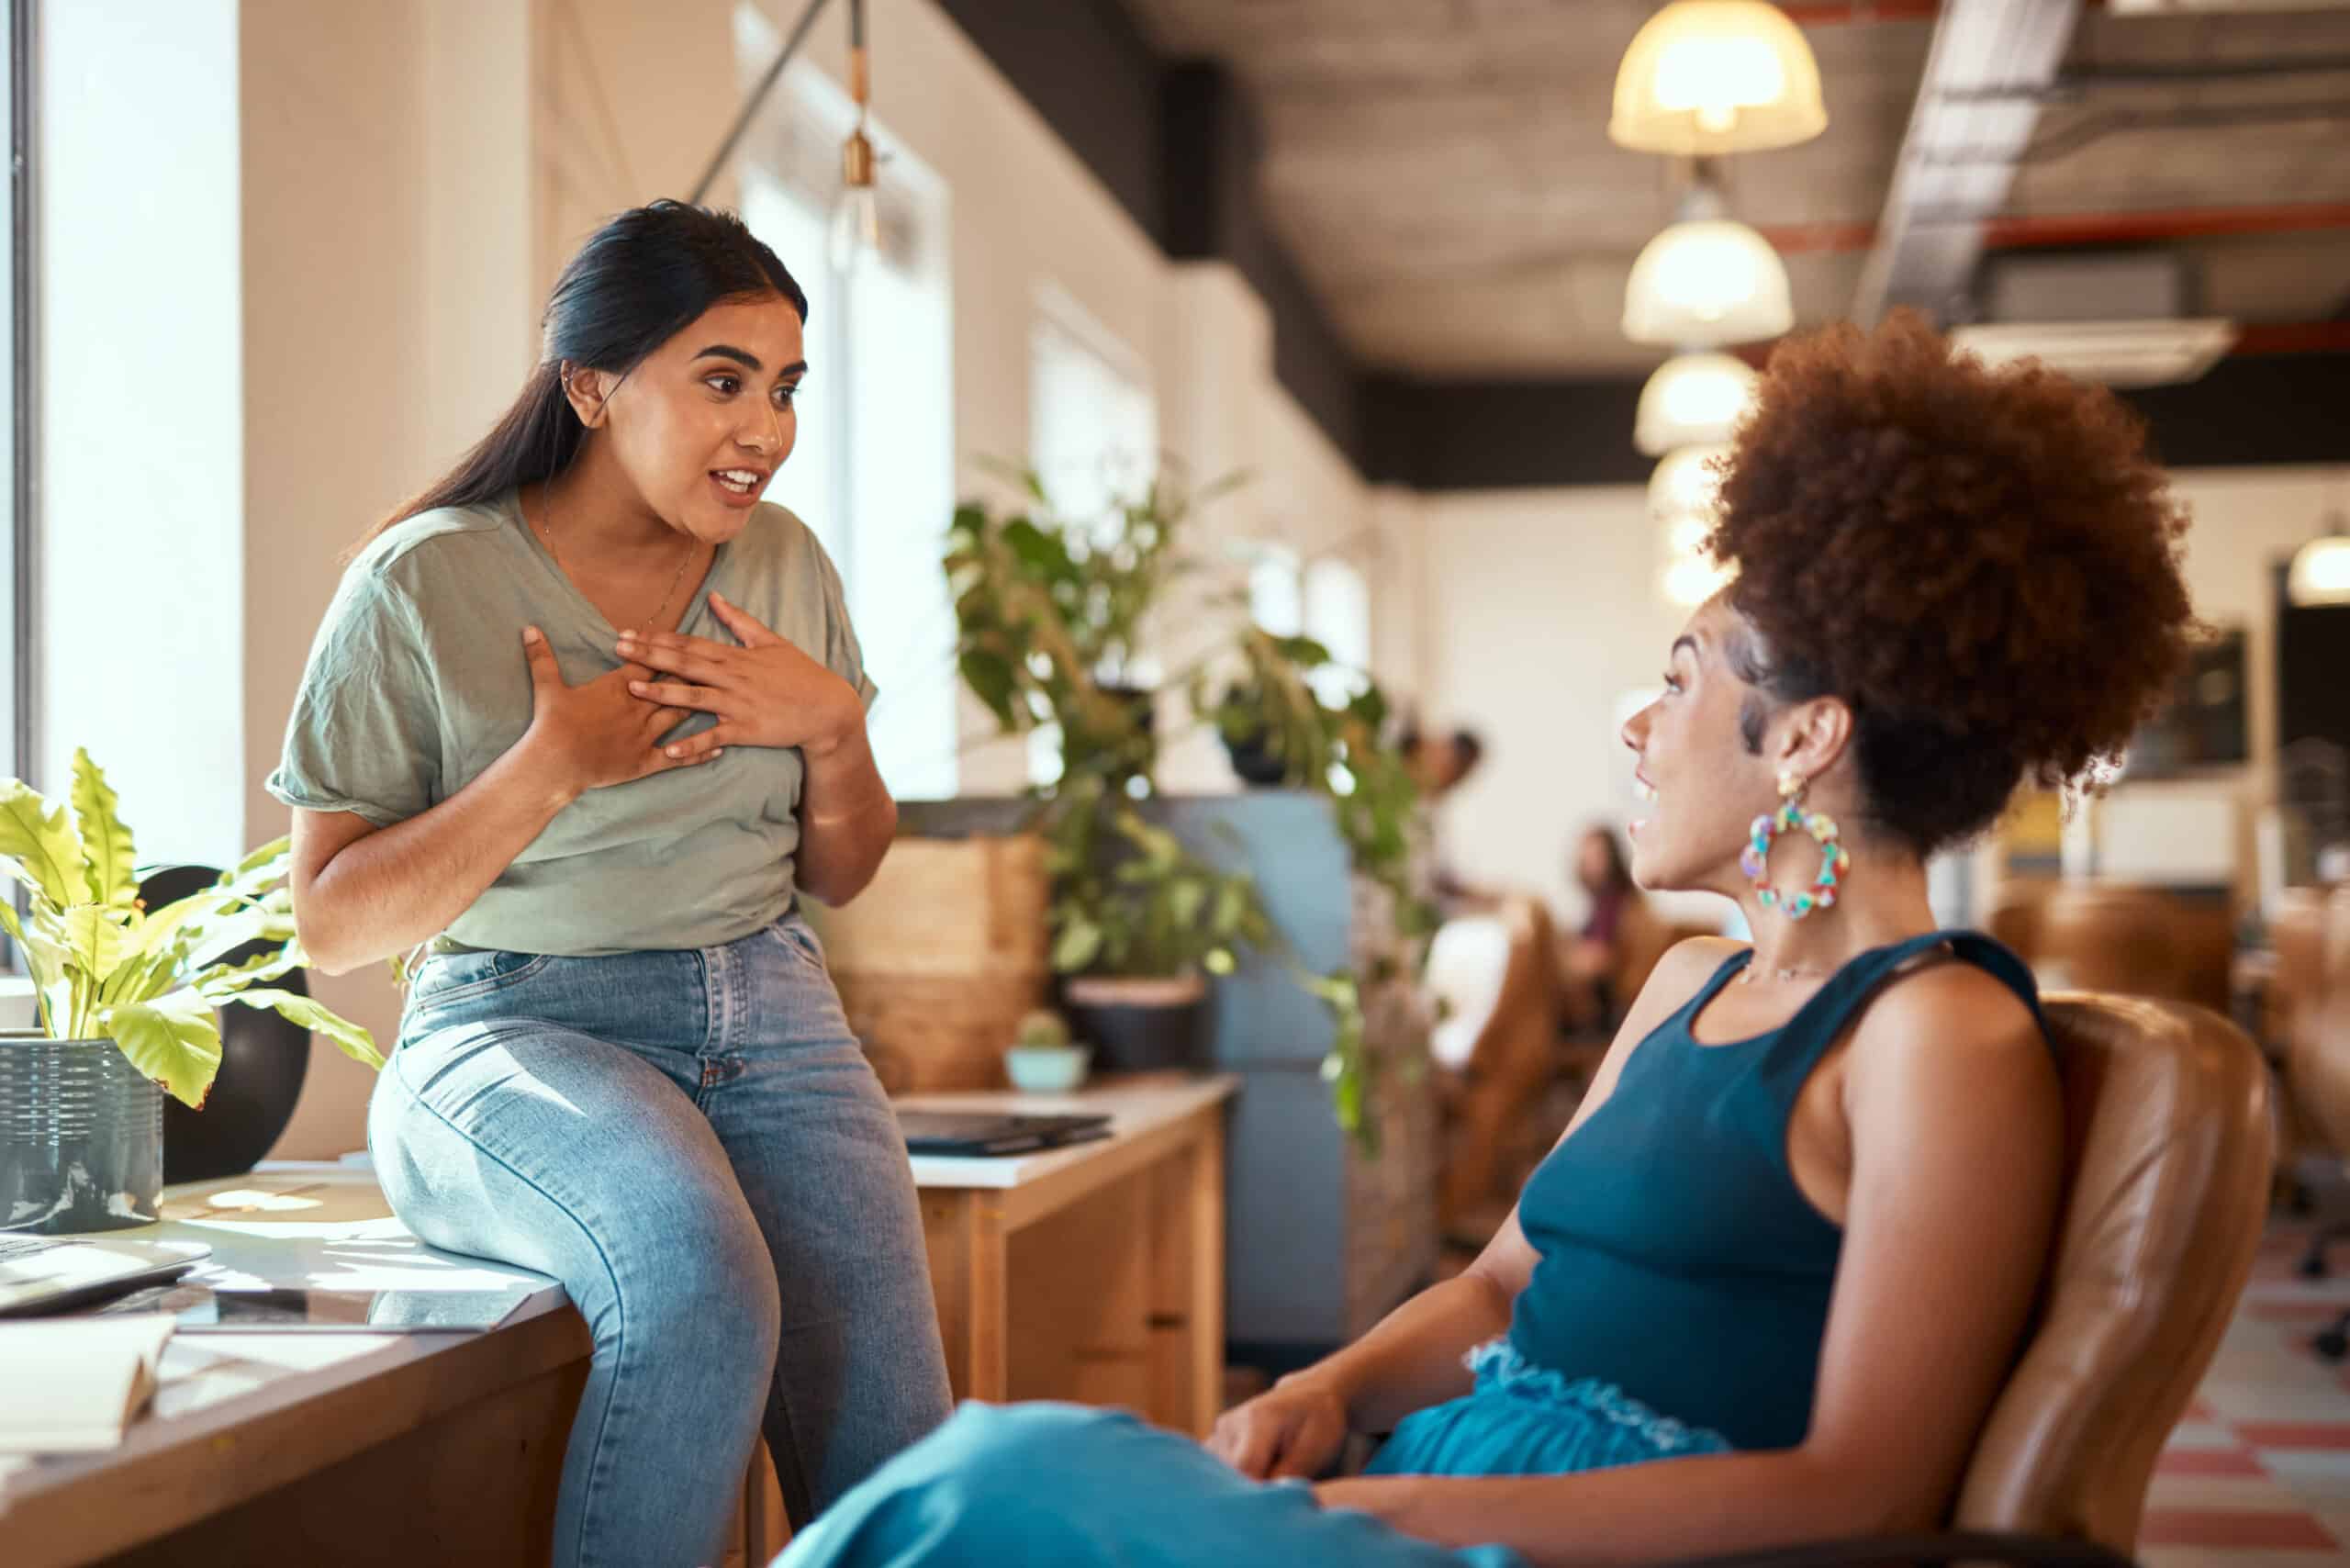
[[1041, 1059]]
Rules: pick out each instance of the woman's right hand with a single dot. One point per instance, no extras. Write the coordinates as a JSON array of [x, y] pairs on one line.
[[597, 735], [1295, 1427]]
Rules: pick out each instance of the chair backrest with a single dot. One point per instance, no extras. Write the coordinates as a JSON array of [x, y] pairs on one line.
[[1498, 1077], [2167, 1172], [1643, 937], [1518, 1043], [2138, 941], [2317, 1047], [2333, 952], [2297, 935], [2013, 918]]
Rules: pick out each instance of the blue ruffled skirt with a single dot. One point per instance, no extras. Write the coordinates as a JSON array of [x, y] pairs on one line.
[[1524, 1419], [1078, 1488]]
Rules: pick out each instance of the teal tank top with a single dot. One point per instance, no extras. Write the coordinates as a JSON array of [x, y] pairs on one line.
[[1678, 1259]]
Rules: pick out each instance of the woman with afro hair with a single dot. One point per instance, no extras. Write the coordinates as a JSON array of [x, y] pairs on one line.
[[1768, 1284]]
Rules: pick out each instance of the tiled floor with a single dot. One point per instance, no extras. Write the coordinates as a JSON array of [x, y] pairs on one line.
[[2257, 1475]]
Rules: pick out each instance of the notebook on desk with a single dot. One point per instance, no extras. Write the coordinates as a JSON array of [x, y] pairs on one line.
[[996, 1132]]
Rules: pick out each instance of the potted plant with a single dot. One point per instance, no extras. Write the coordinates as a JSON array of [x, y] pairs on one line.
[[1139, 921], [1051, 613], [1042, 1059], [126, 1000], [1276, 720]]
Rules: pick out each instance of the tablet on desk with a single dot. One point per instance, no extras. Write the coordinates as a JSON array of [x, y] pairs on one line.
[[996, 1132], [43, 1274], [204, 1309]]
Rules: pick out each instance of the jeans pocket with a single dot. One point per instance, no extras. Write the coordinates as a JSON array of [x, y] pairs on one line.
[[794, 932], [449, 977]]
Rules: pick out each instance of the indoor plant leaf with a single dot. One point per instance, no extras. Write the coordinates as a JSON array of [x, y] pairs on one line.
[[178, 1047], [106, 853], [990, 677], [355, 1042], [1080, 945], [96, 942], [217, 982], [38, 845]]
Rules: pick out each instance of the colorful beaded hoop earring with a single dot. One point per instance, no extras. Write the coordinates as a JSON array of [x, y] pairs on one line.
[[1835, 860]]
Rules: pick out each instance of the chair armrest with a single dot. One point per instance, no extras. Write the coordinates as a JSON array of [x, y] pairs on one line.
[[2023, 1551]]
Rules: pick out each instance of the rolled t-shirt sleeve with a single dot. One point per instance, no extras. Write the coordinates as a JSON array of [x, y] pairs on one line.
[[364, 735], [843, 655]]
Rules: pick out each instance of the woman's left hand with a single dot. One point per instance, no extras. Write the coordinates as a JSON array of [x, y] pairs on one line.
[[765, 693]]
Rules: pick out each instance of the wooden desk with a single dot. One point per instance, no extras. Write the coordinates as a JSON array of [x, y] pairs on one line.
[[351, 1448], [1093, 1273]]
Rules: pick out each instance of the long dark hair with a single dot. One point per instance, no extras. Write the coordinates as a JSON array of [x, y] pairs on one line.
[[1618, 876], [638, 281]]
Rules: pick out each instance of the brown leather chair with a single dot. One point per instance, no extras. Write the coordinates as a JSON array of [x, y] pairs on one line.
[[2168, 1135], [1512, 1060], [2135, 941], [2296, 936], [1644, 939], [2290, 998], [2013, 918], [2317, 1065]]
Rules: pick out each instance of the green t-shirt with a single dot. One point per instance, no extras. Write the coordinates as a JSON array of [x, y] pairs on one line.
[[417, 683]]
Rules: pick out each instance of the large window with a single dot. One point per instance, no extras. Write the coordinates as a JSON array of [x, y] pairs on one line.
[[16, 452], [873, 472], [1093, 442], [15, 402], [1093, 421]]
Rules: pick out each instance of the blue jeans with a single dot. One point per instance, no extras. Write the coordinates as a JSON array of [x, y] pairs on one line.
[[694, 1145]]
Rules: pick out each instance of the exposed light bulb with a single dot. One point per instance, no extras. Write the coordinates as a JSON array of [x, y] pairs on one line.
[[856, 228], [1715, 75], [856, 216]]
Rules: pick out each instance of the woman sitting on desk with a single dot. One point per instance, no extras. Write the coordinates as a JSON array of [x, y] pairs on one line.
[[1767, 1287], [587, 717]]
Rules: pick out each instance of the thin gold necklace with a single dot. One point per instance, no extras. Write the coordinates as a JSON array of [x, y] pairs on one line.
[[1747, 975], [547, 531]]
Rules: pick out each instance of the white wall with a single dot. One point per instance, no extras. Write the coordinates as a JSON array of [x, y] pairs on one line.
[[140, 533], [1541, 617]]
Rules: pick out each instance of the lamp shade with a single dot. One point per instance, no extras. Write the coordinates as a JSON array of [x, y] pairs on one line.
[[1714, 77], [1693, 400], [2321, 572], [1686, 484], [1706, 282], [1690, 580], [1686, 532]]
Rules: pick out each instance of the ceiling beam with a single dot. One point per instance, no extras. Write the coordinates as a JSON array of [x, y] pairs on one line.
[[2025, 231], [1835, 12], [1977, 106]]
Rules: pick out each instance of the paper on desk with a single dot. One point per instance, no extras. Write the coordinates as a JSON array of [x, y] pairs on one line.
[[75, 1384]]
